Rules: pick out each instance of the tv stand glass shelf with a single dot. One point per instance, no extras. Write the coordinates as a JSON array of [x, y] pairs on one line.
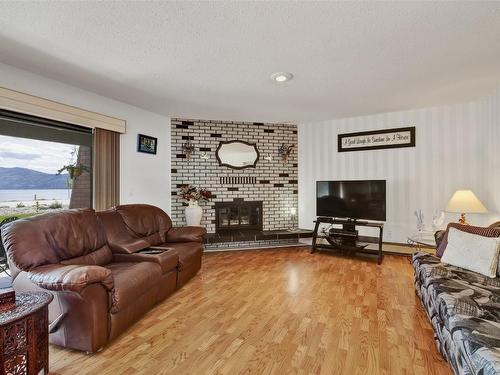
[[346, 238]]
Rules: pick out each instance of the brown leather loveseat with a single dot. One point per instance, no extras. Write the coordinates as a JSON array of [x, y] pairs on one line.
[[99, 291], [133, 227]]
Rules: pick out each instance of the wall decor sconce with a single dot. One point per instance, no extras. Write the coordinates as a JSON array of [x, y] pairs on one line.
[[188, 149], [284, 152]]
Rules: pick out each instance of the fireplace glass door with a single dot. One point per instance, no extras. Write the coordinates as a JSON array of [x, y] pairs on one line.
[[238, 215]]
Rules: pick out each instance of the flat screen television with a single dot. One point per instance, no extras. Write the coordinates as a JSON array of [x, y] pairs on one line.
[[351, 199]]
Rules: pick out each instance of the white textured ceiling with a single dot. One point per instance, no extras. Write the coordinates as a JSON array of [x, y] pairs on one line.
[[214, 59]]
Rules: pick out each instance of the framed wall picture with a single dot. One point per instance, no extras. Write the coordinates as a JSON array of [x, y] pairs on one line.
[[147, 144], [377, 139]]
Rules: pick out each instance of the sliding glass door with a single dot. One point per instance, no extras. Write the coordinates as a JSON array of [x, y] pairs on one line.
[[44, 165]]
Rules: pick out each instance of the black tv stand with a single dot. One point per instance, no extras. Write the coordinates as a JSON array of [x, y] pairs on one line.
[[347, 238]]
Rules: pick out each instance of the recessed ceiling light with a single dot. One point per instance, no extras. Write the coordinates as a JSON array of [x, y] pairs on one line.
[[281, 77]]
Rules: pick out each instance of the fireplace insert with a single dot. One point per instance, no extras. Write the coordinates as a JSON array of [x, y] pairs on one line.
[[238, 215]]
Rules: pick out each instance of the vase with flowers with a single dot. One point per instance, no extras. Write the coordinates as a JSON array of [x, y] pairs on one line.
[[194, 196]]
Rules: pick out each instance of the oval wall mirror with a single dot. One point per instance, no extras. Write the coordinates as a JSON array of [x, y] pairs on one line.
[[237, 154]]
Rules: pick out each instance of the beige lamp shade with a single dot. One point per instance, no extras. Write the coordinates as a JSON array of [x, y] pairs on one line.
[[465, 201]]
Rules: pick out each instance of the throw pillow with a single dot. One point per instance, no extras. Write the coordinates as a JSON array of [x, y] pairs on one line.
[[472, 252], [481, 231]]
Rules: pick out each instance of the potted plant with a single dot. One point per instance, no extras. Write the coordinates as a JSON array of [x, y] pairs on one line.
[[193, 196], [74, 170]]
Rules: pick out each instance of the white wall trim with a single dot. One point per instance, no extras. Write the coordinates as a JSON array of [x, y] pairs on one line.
[[33, 105]]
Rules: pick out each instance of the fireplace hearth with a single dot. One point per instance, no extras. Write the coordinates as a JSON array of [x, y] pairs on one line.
[[238, 215]]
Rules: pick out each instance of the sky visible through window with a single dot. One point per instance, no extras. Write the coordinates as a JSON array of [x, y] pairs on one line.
[[42, 156], [28, 192]]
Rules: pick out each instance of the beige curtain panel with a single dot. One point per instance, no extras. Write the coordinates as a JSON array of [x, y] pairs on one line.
[[106, 169]]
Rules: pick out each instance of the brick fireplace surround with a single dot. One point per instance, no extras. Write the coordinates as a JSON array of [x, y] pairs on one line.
[[271, 181]]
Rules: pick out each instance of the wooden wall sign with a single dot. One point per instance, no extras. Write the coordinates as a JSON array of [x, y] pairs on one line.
[[377, 139]]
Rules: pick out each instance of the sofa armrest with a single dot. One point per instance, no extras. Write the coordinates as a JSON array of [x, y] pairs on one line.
[[438, 236], [133, 258], [73, 278], [128, 246], [186, 234]]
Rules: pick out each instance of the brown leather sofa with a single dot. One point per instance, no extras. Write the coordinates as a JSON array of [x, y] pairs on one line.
[[99, 290]]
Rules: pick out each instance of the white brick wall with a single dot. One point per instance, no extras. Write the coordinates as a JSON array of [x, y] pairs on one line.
[[276, 183]]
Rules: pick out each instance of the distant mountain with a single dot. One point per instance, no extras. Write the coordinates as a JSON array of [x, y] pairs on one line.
[[24, 178]]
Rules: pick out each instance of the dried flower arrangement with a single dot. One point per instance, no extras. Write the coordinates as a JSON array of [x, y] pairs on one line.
[[192, 193], [188, 149], [284, 152]]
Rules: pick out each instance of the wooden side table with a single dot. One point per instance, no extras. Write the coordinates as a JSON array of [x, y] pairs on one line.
[[24, 337]]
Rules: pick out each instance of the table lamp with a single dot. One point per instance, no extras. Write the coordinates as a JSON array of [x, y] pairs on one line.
[[465, 202]]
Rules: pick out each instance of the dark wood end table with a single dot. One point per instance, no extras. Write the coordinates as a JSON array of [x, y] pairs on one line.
[[24, 336]]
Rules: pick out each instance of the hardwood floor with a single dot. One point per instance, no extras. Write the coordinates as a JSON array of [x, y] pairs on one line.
[[281, 311]]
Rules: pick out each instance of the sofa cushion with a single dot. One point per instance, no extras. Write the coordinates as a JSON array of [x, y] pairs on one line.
[[131, 280], [463, 307], [53, 237], [168, 260], [99, 257], [186, 234], [448, 290], [428, 267], [145, 221], [477, 343], [481, 231], [188, 252], [120, 239], [472, 252], [458, 297]]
